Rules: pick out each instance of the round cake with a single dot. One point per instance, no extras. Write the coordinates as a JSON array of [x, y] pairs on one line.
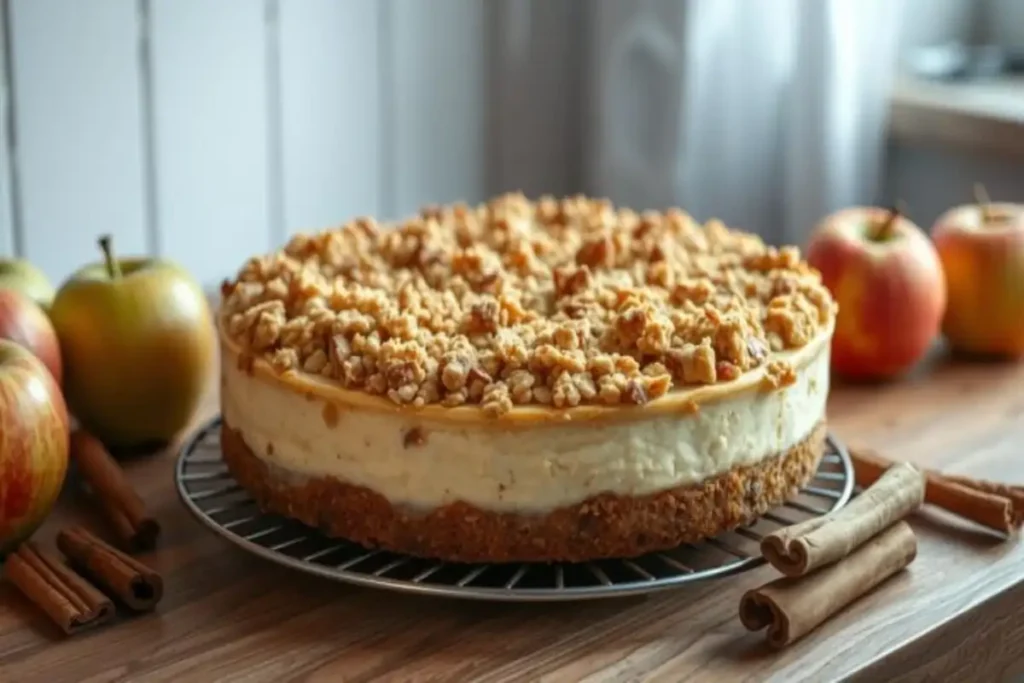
[[559, 380]]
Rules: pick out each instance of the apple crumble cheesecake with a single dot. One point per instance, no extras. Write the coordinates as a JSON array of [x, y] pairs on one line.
[[530, 381]]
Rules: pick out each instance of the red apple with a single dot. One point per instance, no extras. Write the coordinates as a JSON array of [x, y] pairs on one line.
[[33, 443], [887, 279], [982, 251], [24, 322]]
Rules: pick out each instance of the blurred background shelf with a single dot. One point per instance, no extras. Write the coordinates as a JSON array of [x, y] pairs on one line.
[[985, 117]]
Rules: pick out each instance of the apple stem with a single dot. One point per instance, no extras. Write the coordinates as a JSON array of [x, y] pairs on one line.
[[885, 229], [983, 200], [107, 245]]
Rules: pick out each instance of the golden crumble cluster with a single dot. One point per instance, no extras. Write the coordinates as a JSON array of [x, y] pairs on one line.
[[555, 302]]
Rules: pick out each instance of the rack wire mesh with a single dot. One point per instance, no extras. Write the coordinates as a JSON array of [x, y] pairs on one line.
[[216, 499]]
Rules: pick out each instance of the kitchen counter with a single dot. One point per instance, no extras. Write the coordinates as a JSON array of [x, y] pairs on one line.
[[229, 616]]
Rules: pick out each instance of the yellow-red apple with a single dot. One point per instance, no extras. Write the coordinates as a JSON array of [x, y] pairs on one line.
[[138, 343], [981, 247], [26, 278], [24, 322], [33, 443], [886, 277]]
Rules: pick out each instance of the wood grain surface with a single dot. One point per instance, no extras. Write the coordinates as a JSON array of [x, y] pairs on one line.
[[227, 616]]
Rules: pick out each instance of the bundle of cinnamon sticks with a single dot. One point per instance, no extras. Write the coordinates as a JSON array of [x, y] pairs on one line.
[[829, 562], [83, 592]]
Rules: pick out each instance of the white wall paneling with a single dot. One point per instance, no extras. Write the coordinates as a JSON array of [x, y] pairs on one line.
[[637, 81], [1005, 22], [536, 95], [78, 143], [7, 227], [212, 139], [208, 131], [330, 111], [435, 103], [931, 22]]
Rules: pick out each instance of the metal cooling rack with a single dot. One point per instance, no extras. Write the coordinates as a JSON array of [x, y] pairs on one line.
[[215, 498]]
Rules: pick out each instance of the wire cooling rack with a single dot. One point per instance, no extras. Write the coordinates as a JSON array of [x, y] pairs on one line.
[[215, 498]]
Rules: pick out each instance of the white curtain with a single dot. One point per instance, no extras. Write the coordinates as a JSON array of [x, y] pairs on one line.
[[767, 114]]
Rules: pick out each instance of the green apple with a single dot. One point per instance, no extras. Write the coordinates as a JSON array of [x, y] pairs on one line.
[[137, 339], [20, 275]]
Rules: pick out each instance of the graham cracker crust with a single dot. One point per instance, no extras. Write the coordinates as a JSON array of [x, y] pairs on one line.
[[604, 526]]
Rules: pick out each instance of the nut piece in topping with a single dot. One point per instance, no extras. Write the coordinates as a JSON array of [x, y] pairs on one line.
[[778, 375]]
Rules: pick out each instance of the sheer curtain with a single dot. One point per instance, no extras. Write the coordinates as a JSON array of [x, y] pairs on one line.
[[767, 114]]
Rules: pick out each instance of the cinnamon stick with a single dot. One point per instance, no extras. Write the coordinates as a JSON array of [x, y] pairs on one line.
[[996, 506], [792, 607], [1014, 493], [130, 581], [69, 600], [801, 548], [120, 504]]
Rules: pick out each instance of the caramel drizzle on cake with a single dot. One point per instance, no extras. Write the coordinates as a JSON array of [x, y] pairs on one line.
[[512, 302]]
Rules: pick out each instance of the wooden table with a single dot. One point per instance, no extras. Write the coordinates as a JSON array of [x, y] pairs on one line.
[[227, 616]]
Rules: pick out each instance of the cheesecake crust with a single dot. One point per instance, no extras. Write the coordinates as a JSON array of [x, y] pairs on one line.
[[604, 526]]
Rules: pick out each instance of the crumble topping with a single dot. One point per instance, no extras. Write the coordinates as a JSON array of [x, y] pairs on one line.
[[558, 302]]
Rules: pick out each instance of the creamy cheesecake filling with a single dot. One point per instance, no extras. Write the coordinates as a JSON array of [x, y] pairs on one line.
[[424, 464]]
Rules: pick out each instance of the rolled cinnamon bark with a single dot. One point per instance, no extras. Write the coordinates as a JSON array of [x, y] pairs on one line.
[[137, 586], [1015, 494], [120, 504], [70, 601], [792, 607], [997, 506], [801, 548], [998, 488]]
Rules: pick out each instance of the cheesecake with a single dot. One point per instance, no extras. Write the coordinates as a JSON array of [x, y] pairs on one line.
[[550, 380]]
